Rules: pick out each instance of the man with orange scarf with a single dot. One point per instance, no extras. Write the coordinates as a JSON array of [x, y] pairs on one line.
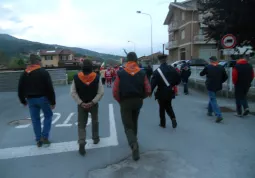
[[130, 88], [35, 89], [215, 76], [87, 90]]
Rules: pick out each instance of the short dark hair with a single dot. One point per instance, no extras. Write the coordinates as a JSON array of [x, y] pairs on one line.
[[132, 57], [87, 63], [34, 59]]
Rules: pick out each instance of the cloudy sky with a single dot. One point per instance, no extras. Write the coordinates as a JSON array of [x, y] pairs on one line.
[[99, 25]]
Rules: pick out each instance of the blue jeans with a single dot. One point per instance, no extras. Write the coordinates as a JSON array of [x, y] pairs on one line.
[[35, 106], [213, 105]]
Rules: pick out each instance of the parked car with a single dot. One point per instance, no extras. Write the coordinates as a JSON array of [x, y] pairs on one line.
[[197, 62], [230, 63], [178, 63]]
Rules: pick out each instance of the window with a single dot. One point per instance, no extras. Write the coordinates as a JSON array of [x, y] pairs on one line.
[[64, 58], [183, 15], [48, 58], [183, 34]]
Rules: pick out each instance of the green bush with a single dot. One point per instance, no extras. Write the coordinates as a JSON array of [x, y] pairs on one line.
[[70, 75]]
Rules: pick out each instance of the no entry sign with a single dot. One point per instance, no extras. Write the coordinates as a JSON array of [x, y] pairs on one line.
[[228, 41]]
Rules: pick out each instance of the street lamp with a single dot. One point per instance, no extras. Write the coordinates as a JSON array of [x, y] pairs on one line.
[[133, 44], [139, 12]]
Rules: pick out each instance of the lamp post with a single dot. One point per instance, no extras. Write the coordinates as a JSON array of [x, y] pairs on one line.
[[139, 12], [133, 44]]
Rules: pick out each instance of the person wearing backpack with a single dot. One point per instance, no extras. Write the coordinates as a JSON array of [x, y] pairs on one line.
[[165, 78]]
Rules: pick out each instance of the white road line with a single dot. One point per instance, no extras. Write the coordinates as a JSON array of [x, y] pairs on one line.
[[65, 124], [57, 118], [32, 150]]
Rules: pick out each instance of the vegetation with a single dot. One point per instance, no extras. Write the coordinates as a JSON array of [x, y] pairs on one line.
[[70, 75], [229, 16]]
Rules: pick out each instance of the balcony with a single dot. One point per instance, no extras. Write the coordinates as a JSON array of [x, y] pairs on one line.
[[171, 45], [173, 26], [201, 39], [201, 20]]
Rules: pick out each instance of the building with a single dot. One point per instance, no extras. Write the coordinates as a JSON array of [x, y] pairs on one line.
[[186, 33], [56, 58], [149, 60]]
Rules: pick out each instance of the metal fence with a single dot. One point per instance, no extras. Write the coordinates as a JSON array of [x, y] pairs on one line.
[[9, 79], [228, 85]]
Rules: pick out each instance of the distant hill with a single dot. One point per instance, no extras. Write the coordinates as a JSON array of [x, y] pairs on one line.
[[12, 46]]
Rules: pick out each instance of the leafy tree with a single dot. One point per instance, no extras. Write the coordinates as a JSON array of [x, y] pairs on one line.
[[16, 63], [229, 16]]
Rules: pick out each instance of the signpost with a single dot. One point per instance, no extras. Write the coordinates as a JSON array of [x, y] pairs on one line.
[[228, 42]]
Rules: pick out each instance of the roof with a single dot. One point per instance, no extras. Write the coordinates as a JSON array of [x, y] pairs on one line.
[[55, 52], [147, 58], [180, 5]]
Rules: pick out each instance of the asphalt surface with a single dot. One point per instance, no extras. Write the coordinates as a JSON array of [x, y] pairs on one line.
[[198, 148]]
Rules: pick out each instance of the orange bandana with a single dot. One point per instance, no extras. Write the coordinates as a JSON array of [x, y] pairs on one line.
[[87, 79], [214, 63], [132, 68], [31, 68]]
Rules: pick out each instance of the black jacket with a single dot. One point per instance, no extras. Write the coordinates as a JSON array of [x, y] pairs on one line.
[[36, 84], [185, 72], [215, 77], [173, 77]]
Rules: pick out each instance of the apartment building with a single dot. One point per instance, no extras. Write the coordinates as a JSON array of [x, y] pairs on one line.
[[186, 39]]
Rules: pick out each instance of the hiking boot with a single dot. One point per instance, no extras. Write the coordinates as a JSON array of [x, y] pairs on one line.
[[46, 142], [96, 141], [246, 112], [39, 144], [209, 114], [219, 119], [82, 150], [135, 152], [174, 123]]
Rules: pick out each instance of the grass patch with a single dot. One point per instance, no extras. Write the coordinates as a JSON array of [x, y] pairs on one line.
[[70, 75]]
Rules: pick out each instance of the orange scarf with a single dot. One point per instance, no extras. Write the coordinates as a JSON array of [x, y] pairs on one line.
[[214, 63], [132, 68], [31, 68], [87, 79]]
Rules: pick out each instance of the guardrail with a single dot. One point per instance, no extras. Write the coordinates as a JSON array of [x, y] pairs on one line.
[[9, 79], [228, 85]]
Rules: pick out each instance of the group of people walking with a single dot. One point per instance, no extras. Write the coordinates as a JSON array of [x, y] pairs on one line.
[[131, 86], [108, 75]]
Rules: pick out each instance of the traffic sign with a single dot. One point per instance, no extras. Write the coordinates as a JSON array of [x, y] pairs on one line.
[[228, 41]]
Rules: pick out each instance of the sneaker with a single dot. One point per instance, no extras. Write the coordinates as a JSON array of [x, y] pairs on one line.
[[46, 142], [82, 150], [135, 152], [163, 126], [39, 144], [96, 141], [219, 119], [238, 115], [246, 112], [174, 123]]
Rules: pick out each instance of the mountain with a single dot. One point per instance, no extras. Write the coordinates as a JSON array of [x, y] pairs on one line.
[[12, 46]]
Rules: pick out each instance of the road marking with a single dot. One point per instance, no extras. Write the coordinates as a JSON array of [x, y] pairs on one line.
[[65, 124], [57, 118], [32, 150]]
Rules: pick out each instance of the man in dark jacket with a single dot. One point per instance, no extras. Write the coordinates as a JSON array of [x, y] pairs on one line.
[[185, 74], [215, 77], [36, 89], [149, 71], [242, 76], [130, 88], [165, 77], [87, 90]]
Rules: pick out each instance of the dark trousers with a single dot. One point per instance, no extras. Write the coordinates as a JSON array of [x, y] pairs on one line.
[[83, 115], [103, 81], [130, 109], [165, 106], [185, 85], [241, 99]]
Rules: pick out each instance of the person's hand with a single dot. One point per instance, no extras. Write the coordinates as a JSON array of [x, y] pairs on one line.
[[52, 107]]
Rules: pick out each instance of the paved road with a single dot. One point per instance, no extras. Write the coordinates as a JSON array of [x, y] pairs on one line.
[[198, 148]]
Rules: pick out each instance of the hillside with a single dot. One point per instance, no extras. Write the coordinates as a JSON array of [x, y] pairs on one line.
[[12, 46]]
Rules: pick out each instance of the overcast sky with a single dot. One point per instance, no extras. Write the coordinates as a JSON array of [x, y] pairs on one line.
[[99, 25]]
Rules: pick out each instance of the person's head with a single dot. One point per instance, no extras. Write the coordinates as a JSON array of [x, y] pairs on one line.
[[87, 66], [175, 65], [162, 58], [213, 59], [34, 59], [132, 57]]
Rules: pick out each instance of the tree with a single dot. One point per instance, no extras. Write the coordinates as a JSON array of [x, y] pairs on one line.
[[16, 63], [229, 16], [3, 58]]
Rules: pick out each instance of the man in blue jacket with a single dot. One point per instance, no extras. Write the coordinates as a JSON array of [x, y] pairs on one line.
[[215, 77]]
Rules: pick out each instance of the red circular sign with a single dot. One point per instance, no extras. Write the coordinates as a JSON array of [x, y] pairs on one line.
[[228, 41]]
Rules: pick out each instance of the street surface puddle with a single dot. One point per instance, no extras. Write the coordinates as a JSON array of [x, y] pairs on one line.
[[19, 122]]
